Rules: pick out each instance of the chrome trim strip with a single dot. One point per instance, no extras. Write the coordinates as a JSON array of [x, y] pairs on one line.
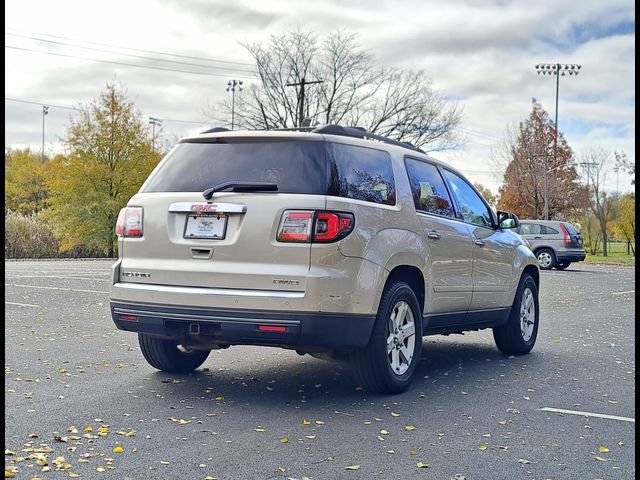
[[187, 207], [200, 318], [209, 291]]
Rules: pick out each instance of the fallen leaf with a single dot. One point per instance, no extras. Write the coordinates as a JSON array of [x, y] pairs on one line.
[[209, 477], [306, 422], [524, 462], [391, 451], [621, 443], [259, 429], [9, 474], [409, 428], [319, 422], [422, 465], [164, 462], [412, 452], [380, 438], [603, 449], [384, 432], [284, 440], [483, 446], [100, 469], [118, 449], [352, 467], [72, 475], [394, 414], [58, 438]]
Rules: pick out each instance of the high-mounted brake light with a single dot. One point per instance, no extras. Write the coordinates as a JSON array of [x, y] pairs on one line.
[[310, 226], [129, 222], [566, 238]]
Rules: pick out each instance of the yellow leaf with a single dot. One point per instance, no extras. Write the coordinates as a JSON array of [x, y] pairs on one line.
[[409, 428], [164, 462], [422, 465], [603, 449], [209, 477], [100, 469], [319, 422], [394, 414], [219, 398], [306, 422], [483, 446], [9, 474], [412, 452], [384, 432], [72, 475], [118, 449], [284, 440], [352, 467], [88, 429]]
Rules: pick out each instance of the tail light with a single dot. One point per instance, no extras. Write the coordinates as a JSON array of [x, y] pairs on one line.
[[566, 238], [310, 226], [129, 222]]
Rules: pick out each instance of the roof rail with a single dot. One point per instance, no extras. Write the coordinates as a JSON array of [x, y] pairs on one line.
[[293, 129], [359, 132], [216, 130]]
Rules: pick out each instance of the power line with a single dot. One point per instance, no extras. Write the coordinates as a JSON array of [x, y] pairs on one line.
[[133, 55], [121, 63], [128, 48]]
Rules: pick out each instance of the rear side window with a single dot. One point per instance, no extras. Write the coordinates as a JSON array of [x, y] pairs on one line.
[[295, 166], [429, 191], [546, 230], [360, 173], [529, 229]]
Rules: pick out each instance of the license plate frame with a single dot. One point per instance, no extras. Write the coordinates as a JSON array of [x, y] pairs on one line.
[[206, 226]]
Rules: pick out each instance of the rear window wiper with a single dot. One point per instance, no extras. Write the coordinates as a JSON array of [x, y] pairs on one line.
[[240, 187]]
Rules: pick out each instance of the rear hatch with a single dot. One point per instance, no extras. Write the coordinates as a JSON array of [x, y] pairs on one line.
[[575, 239], [228, 241]]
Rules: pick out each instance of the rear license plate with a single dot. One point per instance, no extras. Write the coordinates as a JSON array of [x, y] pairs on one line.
[[212, 227]]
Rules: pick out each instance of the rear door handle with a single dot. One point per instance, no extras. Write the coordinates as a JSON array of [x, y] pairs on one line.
[[480, 243], [434, 235], [537, 238]]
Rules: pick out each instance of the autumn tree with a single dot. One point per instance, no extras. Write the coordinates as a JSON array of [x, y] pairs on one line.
[[625, 225], [486, 193], [523, 153], [350, 89], [110, 155], [25, 191]]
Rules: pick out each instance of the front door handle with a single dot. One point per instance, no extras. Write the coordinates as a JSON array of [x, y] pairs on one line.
[[480, 243], [434, 235]]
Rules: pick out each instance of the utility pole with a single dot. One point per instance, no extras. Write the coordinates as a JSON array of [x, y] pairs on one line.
[[45, 111], [153, 122], [301, 83], [231, 86], [556, 69]]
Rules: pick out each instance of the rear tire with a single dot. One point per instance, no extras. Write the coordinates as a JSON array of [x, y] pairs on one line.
[[546, 258], [165, 355], [563, 265], [388, 363], [518, 335]]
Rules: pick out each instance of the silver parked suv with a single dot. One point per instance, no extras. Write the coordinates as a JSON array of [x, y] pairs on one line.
[[555, 244], [331, 241]]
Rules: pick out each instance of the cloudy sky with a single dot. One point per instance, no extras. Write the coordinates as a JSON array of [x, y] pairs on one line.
[[480, 54]]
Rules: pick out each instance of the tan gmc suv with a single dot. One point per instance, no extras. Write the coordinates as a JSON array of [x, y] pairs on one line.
[[331, 241]]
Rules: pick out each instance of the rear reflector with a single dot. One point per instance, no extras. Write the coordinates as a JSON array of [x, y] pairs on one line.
[[128, 318], [272, 328]]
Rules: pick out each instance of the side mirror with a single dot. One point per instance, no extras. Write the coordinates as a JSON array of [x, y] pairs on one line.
[[508, 220]]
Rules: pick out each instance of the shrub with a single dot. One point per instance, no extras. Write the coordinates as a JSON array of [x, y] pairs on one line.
[[28, 236]]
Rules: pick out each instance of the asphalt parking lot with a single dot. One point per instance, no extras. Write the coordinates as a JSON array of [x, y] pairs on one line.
[[75, 387]]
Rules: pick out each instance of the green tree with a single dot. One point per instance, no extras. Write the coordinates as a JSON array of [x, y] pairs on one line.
[[624, 227], [110, 155], [25, 191]]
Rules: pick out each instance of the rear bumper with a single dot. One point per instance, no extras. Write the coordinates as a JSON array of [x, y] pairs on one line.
[[571, 257], [235, 326]]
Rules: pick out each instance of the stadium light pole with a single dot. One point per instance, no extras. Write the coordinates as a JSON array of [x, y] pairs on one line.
[[45, 112], [231, 87], [557, 69]]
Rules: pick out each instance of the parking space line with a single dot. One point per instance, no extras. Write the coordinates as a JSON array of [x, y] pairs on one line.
[[623, 293], [54, 288], [588, 414], [21, 304]]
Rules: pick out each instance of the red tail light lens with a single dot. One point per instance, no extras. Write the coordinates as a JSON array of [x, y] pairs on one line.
[[314, 226], [129, 222], [565, 233], [332, 226]]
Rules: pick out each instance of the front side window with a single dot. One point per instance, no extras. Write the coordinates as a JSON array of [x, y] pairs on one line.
[[360, 173], [472, 207], [430, 194], [529, 229]]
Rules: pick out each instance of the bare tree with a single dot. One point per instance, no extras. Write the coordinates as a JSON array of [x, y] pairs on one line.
[[594, 160], [351, 90]]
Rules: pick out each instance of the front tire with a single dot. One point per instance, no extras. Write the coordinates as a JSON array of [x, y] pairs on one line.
[[518, 335], [546, 259], [165, 355], [388, 363]]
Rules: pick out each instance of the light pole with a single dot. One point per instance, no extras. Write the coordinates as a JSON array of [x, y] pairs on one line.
[[231, 86], [556, 69], [45, 112], [153, 122]]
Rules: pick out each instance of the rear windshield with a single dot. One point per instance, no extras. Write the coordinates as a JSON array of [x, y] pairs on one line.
[[307, 167], [571, 229], [295, 166]]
